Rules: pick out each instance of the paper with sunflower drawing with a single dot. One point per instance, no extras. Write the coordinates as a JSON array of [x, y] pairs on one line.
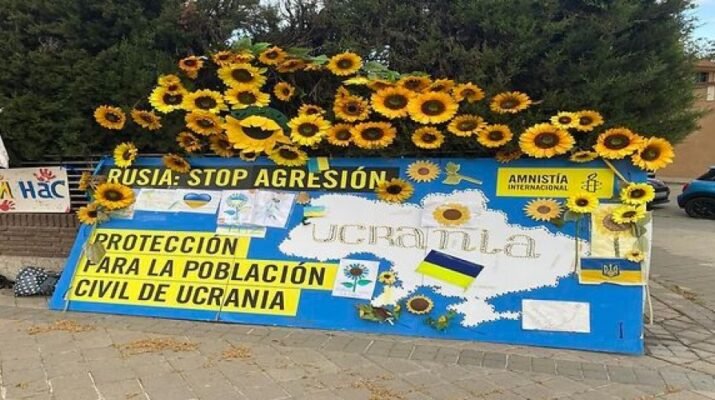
[[356, 279], [438, 212], [610, 239]]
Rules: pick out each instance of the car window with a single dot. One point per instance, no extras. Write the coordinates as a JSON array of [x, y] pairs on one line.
[[709, 176]]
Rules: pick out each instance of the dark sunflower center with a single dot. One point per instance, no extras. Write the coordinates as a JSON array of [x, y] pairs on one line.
[[546, 140], [92, 213], [637, 193], [312, 111], [543, 209], [452, 214], [113, 195], [419, 304], [173, 87], [495, 135], [466, 125], [205, 123], [285, 91], [343, 134], [396, 101], [352, 108], [438, 88], [288, 154], [147, 118], [585, 120], [372, 134], [413, 84], [112, 117], [246, 98], [565, 120], [224, 57], [345, 63], [242, 75], [190, 63], [307, 129], [423, 171], [205, 102], [629, 214], [127, 155], [509, 103], [614, 226], [429, 137], [173, 99], [356, 271], [271, 54], [617, 141], [468, 92], [582, 202], [650, 153], [394, 189], [257, 133], [433, 107]]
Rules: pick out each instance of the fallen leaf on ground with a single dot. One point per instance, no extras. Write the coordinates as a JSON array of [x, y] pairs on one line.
[[156, 345], [62, 325]]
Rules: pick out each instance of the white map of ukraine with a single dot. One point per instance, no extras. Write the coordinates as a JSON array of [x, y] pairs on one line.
[[515, 258]]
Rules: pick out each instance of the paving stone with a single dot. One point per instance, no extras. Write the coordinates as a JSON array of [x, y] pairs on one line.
[[271, 392], [167, 386], [126, 389], [423, 352]]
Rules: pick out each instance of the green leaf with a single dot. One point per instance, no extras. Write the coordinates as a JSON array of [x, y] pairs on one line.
[[320, 60], [558, 222], [299, 51], [242, 43], [348, 285], [259, 47], [363, 282]]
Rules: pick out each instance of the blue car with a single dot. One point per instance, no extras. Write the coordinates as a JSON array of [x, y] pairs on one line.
[[698, 197]]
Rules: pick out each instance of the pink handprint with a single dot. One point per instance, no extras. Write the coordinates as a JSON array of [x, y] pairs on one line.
[[45, 175], [7, 205]]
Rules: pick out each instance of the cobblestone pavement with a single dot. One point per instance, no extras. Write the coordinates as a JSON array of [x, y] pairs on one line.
[[121, 357]]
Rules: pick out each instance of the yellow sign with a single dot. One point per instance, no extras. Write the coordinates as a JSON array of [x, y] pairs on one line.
[[194, 270], [554, 182]]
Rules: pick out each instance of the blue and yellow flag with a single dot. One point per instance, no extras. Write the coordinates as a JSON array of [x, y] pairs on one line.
[[318, 164], [452, 270], [611, 270]]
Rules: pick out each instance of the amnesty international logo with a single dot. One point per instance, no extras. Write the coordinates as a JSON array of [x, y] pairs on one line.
[[611, 270], [554, 182], [591, 184]]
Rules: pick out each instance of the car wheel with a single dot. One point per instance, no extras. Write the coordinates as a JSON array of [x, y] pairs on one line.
[[701, 207]]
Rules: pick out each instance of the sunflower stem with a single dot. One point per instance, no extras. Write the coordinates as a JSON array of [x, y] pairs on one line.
[[616, 171], [617, 247]]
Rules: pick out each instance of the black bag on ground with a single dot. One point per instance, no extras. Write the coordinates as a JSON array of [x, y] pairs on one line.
[[33, 281]]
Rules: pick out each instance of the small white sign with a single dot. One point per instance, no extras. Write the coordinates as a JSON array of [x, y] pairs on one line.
[[178, 200], [36, 190], [356, 279], [555, 316]]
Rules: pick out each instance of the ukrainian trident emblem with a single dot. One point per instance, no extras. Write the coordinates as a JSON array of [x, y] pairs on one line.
[[611, 270]]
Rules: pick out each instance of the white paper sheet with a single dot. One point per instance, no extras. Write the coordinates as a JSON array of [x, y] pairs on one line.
[[178, 200], [356, 279], [555, 316]]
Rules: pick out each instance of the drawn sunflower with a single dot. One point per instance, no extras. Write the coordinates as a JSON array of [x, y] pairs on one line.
[[248, 156], [441, 85], [466, 125], [394, 190], [272, 56], [583, 156], [508, 155], [289, 156], [204, 122], [415, 83], [146, 119], [628, 214], [654, 154], [565, 120], [110, 117], [290, 65], [344, 64], [388, 278], [419, 305], [125, 154], [114, 196], [283, 91], [582, 203], [432, 108], [165, 100], [423, 171], [176, 163], [191, 66], [635, 255], [188, 141], [255, 133], [587, 120], [510, 102], [242, 75], [220, 145], [339, 135], [545, 141], [351, 108], [373, 135], [392, 102], [307, 130], [493, 136], [205, 100], [543, 209], [241, 97], [616, 143], [637, 194], [452, 214], [428, 137], [467, 91], [223, 58], [310, 109], [91, 214], [606, 226]]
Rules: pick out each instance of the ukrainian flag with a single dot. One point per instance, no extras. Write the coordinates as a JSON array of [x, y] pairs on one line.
[[611, 270], [452, 270]]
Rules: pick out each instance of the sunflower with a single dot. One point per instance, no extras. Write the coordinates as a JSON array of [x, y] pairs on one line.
[[394, 190], [507, 155], [191, 66], [379, 84], [255, 133], [204, 122], [241, 97], [617, 143], [586, 120], [415, 83], [388, 278], [373, 135], [188, 141], [452, 214], [176, 163], [169, 81], [241, 75], [272, 56], [125, 154], [545, 141], [85, 180], [423, 171], [283, 91], [628, 214], [467, 91], [543, 209], [583, 156], [308, 130], [344, 64], [114, 196], [220, 145], [248, 156], [465, 125], [432, 108], [441, 85], [510, 102], [419, 305], [637, 193], [91, 214], [313, 67], [206, 100], [654, 154], [146, 119], [289, 156], [340, 135], [392, 102], [165, 100], [582, 203], [493, 136], [223, 58], [351, 108], [565, 120], [290, 65], [110, 117], [243, 57], [428, 137], [310, 109], [635, 255]]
